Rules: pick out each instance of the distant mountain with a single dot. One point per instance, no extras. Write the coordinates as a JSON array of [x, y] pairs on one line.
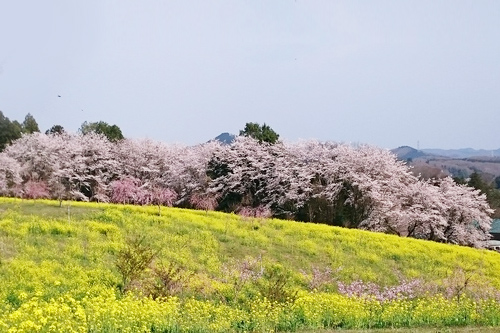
[[435, 163], [225, 138], [405, 153], [463, 153]]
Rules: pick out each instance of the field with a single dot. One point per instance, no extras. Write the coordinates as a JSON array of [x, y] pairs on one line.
[[89, 267]]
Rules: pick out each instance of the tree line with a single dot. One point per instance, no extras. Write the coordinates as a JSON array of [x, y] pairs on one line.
[[257, 175], [13, 130], [491, 190]]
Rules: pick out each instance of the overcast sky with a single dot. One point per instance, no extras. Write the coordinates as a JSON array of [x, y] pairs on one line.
[[387, 73]]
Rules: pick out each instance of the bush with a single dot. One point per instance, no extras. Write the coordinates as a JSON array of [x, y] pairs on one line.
[[133, 260]]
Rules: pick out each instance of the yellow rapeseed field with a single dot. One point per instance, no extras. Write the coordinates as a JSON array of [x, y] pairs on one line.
[[213, 272]]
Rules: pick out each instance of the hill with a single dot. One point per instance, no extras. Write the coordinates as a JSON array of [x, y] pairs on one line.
[[453, 162], [407, 153], [463, 153], [225, 138], [91, 267]]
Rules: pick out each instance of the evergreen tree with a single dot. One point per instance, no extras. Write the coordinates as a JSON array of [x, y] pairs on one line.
[[30, 125], [9, 131], [478, 183], [112, 132], [260, 133], [56, 129]]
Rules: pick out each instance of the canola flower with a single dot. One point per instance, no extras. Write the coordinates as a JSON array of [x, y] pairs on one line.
[[58, 276], [107, 313]]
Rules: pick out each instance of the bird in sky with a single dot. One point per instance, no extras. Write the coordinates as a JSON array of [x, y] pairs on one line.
[[58, 95]]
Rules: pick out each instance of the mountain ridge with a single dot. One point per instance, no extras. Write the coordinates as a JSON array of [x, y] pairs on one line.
[[462, 163], [463, 152], [404, 152]]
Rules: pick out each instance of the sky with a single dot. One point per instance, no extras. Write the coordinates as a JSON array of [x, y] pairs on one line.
[[386, 73]]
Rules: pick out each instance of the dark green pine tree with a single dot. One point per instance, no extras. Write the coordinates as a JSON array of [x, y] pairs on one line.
[[9, 131], [260, 133], [29, 124], [112, 132]]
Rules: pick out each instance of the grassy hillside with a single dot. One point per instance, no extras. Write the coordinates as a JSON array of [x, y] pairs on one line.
[[64, 268]]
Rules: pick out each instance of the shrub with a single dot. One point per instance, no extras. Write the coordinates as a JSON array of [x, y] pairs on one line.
[[133, 260]]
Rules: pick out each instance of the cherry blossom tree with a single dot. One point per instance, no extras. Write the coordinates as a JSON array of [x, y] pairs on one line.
[[258, 212], [190, 179], [204, 201], [160, 196], [36, 154], [142, 159], [36, 190], [417, 213], [241, 172], [353, 186], [467, 212], [38, 158], [127, 191], [10, 178]]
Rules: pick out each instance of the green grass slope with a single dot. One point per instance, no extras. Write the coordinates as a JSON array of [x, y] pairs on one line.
[[60, 262]]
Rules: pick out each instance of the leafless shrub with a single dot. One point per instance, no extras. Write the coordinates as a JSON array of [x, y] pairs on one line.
[[275, 286], [242, 273], [166, 280], [321, 277], [133, 260], [467, 282], [407, 289], [204, 201], [257, 212]]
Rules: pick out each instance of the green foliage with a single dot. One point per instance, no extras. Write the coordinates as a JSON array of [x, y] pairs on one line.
[[460, 180], [494, 202], [30, 125], [112, 132], [55, 129], [262, 133], [12, 130], [477, 182], [490, 190], [9, 131]]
